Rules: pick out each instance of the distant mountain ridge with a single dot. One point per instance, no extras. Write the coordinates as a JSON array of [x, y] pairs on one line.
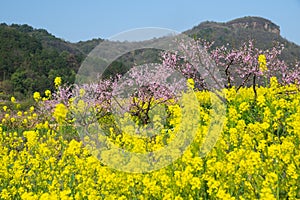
[[255, 23], [30, 58], [235, 32]]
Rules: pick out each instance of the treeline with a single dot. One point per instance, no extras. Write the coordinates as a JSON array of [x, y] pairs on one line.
[[29, 62]]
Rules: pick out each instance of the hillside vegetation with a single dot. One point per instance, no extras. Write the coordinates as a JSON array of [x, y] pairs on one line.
[[234, 33], [31, 58]]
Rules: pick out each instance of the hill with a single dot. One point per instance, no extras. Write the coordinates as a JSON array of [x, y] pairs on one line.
[[235, 32], [87, 46], [31, 58]]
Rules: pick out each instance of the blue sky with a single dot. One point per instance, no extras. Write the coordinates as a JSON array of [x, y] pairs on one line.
[[83, 20]]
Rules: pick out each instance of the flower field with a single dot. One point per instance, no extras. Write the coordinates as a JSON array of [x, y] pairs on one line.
[[256, 155]]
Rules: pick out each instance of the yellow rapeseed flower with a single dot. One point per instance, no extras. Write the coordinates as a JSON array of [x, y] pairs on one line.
[[262, 63], [31, 137], [81, 92], [190, 83], [47, 93], [13, 99], [36, 96], [251, 154], [31, 109], [57, 81], [20, 113], [60, 112]]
